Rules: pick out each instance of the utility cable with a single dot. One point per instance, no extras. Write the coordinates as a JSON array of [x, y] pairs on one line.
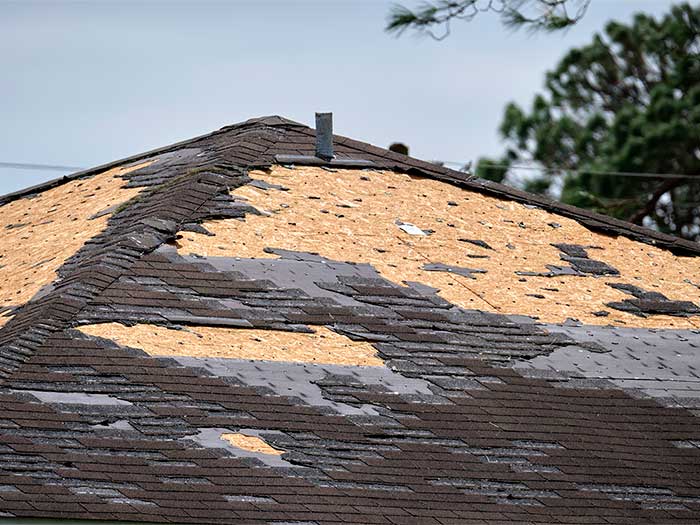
[[592, 172], [45, 167]]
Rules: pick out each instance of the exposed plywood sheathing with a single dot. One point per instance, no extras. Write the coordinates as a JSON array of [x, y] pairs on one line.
[[251, 444], [351, 215], [323, 346], [40, 232]]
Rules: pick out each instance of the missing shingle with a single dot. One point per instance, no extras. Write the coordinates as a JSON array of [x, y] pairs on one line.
[[351, 485], [243, 498], [129, 502], [74, 398], [320, 346], [647, 496], [494, 488], [251, 444]]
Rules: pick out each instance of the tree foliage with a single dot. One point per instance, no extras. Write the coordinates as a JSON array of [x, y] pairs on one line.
[[627, 102], [492, 169], [546, 15]]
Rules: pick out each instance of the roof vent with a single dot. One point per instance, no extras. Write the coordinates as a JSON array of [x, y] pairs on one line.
[[324, 135], [324, 155]]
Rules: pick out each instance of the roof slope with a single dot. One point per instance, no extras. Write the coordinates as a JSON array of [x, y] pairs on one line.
[[217, 337]]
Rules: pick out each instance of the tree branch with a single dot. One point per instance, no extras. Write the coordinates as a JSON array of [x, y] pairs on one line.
[[547, 15], [649, 207]]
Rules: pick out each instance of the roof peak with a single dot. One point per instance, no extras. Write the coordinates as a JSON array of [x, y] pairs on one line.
[[266, 120], [262, 141]]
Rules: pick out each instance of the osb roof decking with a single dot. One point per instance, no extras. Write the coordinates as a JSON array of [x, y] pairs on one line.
[[201, 334], [320, 346], [352, 215], [41, 232]]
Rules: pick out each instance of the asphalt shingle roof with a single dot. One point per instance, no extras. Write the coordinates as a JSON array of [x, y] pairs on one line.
[[406, 372]]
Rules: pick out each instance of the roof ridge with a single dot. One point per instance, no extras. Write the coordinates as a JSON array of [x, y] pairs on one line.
[[266, 120], [262, 154]]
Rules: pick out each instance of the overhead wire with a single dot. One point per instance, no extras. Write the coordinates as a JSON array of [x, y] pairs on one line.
[[33, 166], [547, 169]]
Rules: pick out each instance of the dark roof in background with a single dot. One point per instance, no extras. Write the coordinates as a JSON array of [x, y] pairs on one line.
[[477, 417]]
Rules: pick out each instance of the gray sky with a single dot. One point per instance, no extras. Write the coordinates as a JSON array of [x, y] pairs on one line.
[[84, 83]]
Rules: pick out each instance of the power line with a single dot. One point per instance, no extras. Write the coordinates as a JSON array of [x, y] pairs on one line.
[[45, 167], [592, 172], [56, 167]]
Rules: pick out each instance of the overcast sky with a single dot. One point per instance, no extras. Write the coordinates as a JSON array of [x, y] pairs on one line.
[[84, 83]]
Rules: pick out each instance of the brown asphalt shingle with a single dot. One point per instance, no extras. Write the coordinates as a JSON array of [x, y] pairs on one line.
[[476, 417]]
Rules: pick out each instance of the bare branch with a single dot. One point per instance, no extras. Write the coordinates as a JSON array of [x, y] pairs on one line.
[[536, 15], [659, 192]]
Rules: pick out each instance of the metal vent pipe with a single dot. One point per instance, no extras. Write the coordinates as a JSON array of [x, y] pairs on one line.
[[324, 135]]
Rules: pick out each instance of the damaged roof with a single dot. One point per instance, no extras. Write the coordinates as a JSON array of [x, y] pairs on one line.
[[229, 330]]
